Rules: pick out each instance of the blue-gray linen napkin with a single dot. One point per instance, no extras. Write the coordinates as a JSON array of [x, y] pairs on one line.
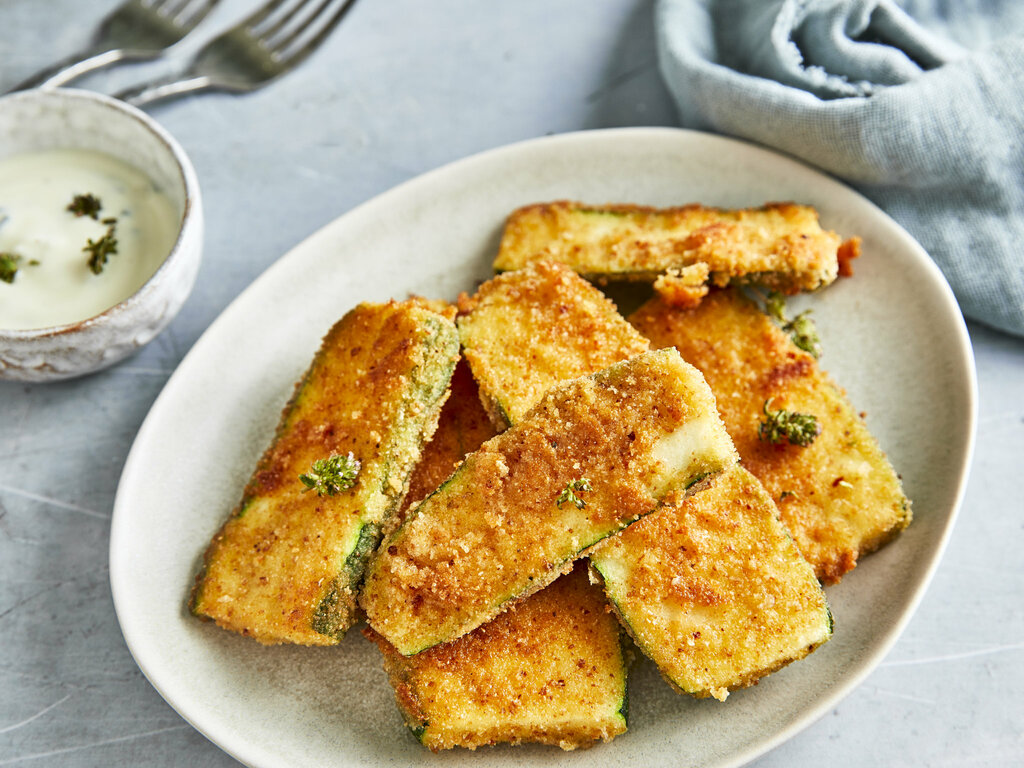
[[918, 105]]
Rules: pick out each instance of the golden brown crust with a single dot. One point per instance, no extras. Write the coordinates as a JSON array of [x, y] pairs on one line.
[[848, 251], [444, 308], [526, 331], [683, 287], [713, 589], [651, 574], [839, 496], [548, 670], [494, 532], [277, 559], [780, 245]]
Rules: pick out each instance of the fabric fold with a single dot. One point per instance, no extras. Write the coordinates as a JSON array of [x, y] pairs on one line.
[[931, 131]]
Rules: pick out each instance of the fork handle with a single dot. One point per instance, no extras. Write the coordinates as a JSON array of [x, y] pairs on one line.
[[74, 66], [159, 90]]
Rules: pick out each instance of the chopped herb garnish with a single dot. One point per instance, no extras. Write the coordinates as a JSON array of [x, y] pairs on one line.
[[331, 475], [100, 250], [9, 266], [775, 305], [569, 494], [801, 329], [798, 428], [85, 205], [804, 333]]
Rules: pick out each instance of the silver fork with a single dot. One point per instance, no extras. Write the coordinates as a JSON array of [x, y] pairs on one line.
[[138, 30], [272, 41]]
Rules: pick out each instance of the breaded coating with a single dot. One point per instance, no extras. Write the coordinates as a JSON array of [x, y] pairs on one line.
[[548, 670], [713, 588], [285, 565], [526, 331], [839, 496], [462, 428], [683, 287], [749, 550], [503, 526], [848, 251], [779, 245]]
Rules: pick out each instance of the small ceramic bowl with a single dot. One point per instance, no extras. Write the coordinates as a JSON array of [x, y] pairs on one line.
[[72, 119]]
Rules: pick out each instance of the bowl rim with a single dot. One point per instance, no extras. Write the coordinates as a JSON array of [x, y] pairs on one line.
[[186, 174]]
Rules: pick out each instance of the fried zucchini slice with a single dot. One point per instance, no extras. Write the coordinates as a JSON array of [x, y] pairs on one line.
[[473, 691], [506, 523], [548, 313], [713, 589], [285, 566], [839, 496], [526, 331], [548, 670], [779, 245]]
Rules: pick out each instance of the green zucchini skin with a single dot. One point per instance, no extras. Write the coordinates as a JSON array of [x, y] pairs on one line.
[[332, 615]]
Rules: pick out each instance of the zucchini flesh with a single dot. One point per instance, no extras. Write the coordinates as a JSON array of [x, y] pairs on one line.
[[713, 589], [494, 532], [285, 566], [780, 245], [548, 670], [839, 497]]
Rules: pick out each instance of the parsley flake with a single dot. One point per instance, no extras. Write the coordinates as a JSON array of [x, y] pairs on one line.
[[100, 250], [569, 494], [85, 205], [796, 428], [801, 329], [331, 475], [9, 266]]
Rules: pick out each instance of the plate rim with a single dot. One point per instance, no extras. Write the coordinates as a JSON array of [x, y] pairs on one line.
[[251, 755]]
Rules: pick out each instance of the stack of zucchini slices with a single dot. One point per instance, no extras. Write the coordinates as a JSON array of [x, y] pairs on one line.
[[500, 519]]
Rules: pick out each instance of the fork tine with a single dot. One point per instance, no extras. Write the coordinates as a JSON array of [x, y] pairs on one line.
[[296, 56], [278, 25], [194, 12], [168, 8], [262, 13]]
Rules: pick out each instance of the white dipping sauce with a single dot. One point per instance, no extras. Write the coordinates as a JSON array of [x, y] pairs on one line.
[[35, 191]]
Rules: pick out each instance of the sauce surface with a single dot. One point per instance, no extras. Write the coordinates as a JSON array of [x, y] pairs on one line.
[[54, 284]]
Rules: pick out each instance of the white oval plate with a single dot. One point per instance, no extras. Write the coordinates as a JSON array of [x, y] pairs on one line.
[[893, 337]]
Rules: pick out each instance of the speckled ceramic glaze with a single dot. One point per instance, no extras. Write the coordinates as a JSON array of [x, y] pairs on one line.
[[51, 119]]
